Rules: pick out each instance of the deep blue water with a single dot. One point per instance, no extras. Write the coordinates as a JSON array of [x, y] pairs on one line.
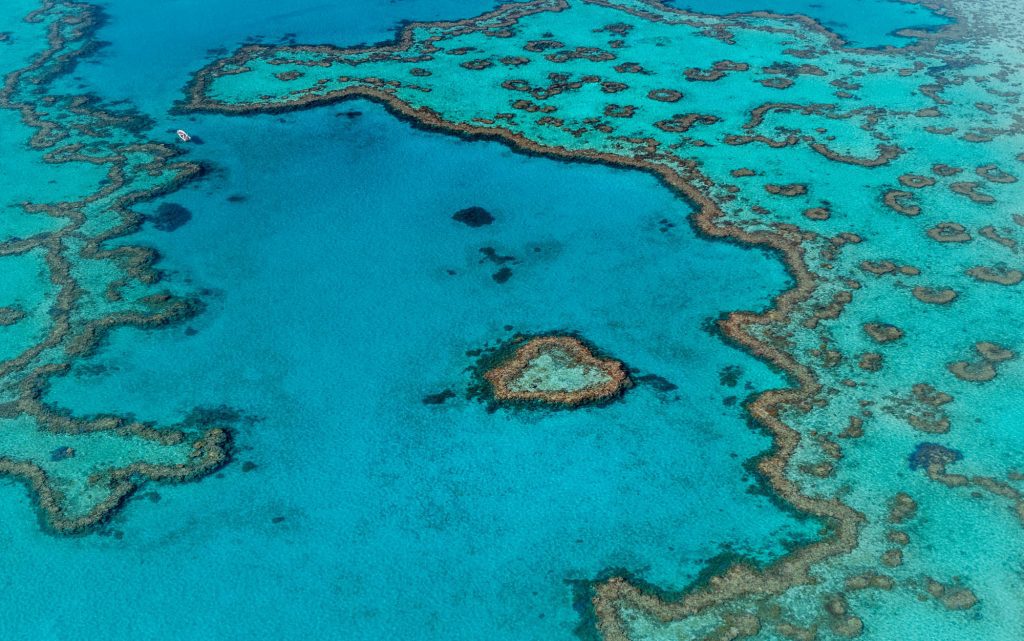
[[862, 23]]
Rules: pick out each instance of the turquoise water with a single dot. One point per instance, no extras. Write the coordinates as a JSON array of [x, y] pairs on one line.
[[341, 310], [328, 326], [149, 54], [330, 313]]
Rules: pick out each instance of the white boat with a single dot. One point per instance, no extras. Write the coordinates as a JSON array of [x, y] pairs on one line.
[[184, 136]]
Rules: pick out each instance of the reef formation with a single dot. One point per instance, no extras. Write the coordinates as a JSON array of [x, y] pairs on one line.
[[885, 179], [556, 370], [66, 285]]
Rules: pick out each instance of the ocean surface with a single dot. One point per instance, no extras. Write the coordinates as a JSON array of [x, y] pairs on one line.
[[861, 23], [330, 312], [340, 312]]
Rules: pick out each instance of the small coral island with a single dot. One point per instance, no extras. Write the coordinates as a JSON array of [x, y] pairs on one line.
[[554, 370]]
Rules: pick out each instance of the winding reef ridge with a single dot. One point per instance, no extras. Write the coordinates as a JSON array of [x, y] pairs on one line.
[[64, 288], [886, 179]]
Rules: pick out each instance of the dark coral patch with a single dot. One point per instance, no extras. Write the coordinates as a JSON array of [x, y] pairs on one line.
[[795, 189], [949, 232], [170, 216], [681, 123], [970, 190], [883, 332], [729, 376], [477, 65], [818, 213], [897, 200], [999, 274], [992, 173], [473, 216], [630, 67], [593, 54], [62, 453], [658, 383], [502, 275], [492, 255], [716, 72], [11, 315], [619, 111], [515, 61], [916, 181], [934, 295], [537, 46], [928, 454], [438, 399], [942, 169], [665, 95]]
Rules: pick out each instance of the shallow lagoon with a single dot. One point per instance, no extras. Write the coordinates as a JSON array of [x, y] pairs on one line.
[[332, 313]]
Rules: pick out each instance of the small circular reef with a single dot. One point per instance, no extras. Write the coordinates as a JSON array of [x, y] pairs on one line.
[[555, 370]]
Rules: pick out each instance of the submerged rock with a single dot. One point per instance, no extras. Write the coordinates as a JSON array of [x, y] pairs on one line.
[[170, 216], [62, 453], [927, 454], [502, 275], [473, 217], [11, 315], [438, 399]]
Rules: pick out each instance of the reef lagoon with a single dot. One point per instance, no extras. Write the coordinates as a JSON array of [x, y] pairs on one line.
[[557, 319]]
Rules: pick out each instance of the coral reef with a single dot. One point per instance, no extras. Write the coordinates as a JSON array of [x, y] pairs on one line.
[[875, 135], [78, 480], [556, 370]]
